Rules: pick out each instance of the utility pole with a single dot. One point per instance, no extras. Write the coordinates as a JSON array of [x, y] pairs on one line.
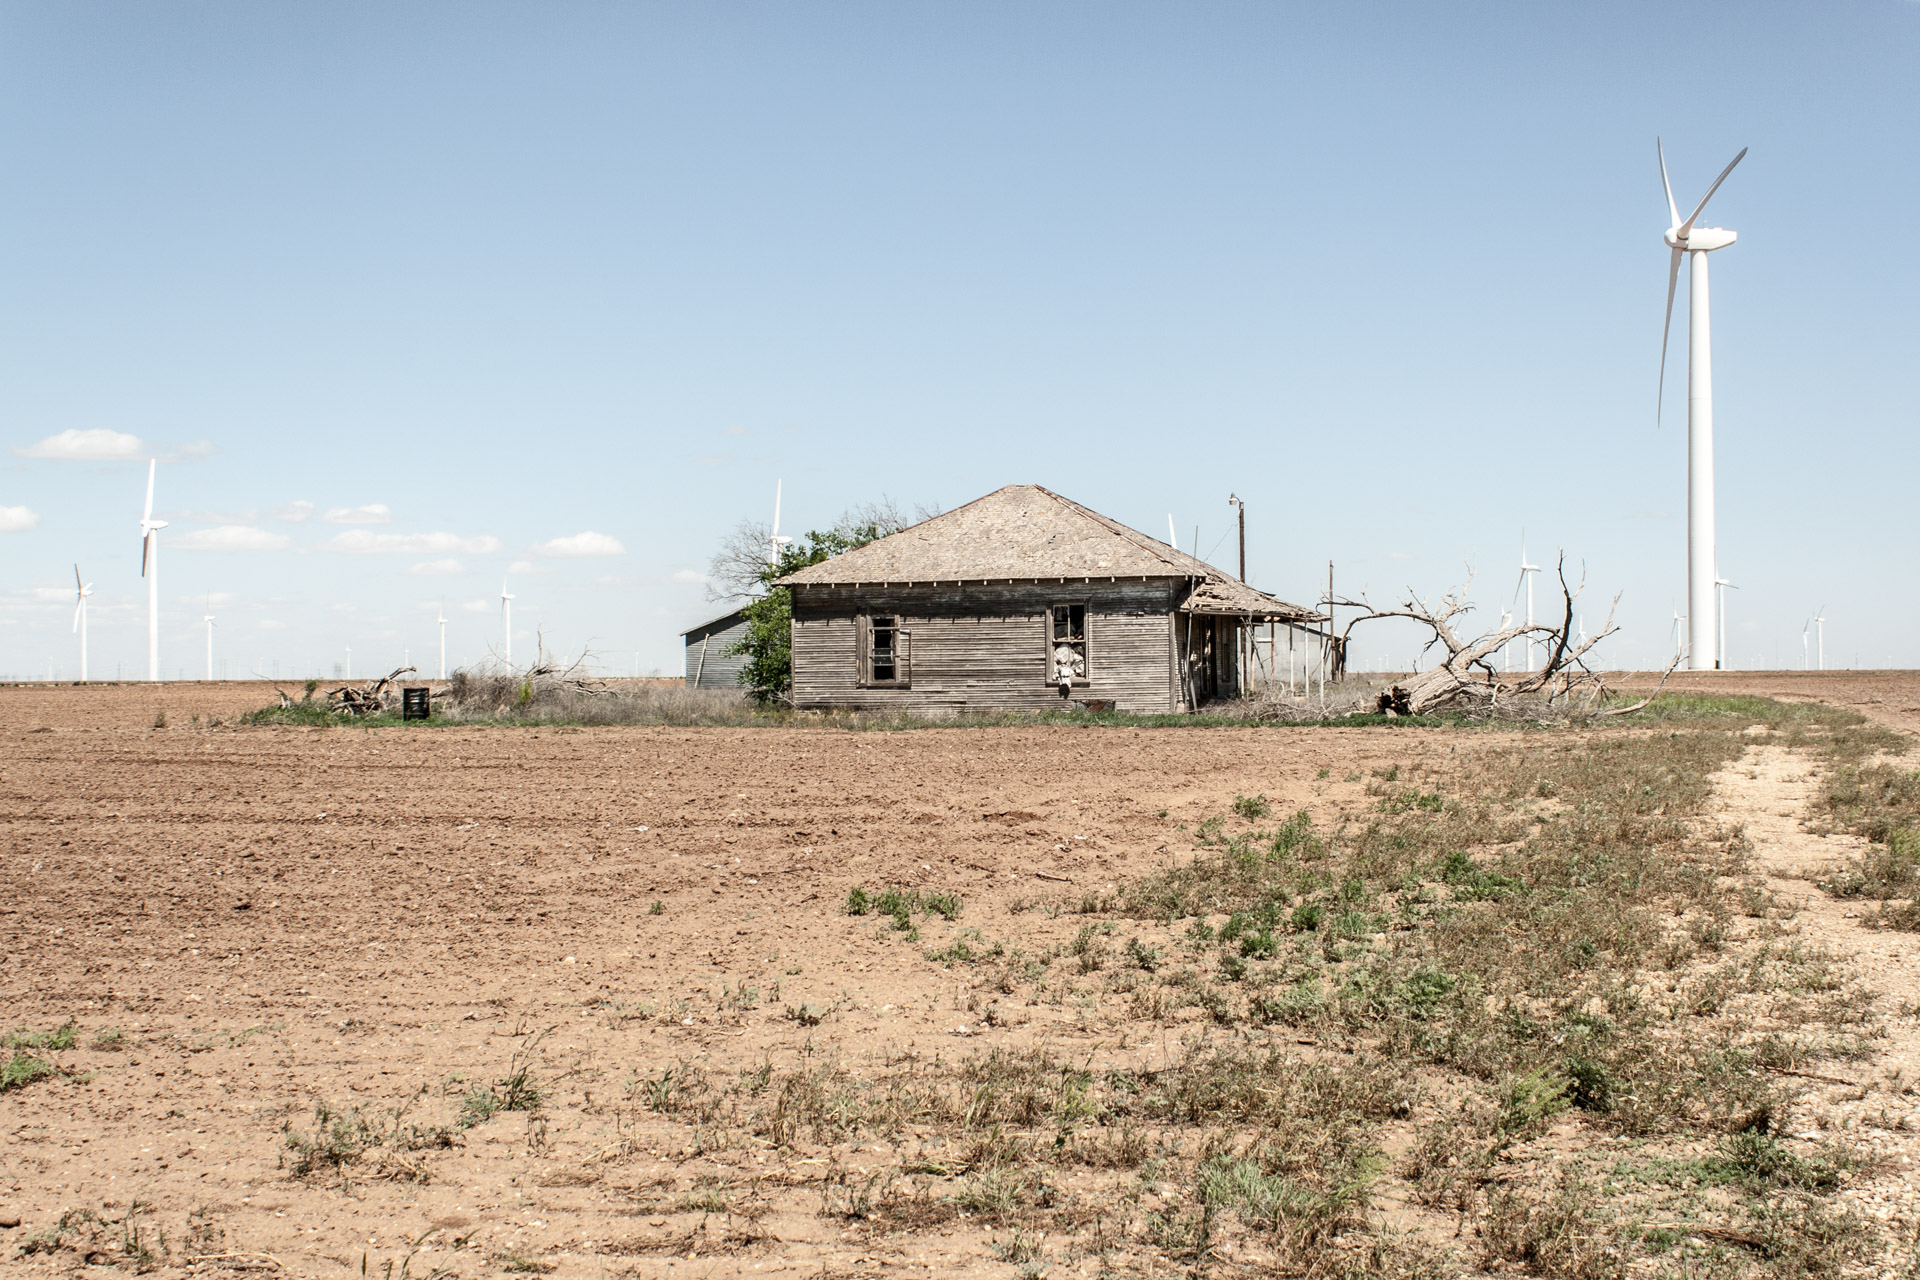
[[1234, 501], [1328, 669], [1246, 636]]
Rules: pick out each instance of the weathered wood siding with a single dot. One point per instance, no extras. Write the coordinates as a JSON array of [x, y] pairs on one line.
[[985, 647], [720, 670]]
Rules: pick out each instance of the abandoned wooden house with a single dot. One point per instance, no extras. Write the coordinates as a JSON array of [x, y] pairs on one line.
[[711, 660], [1023, 599]]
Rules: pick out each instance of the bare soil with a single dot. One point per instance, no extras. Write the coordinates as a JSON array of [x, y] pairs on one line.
[[276, 918]]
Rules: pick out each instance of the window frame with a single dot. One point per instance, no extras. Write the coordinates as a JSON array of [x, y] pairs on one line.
[[863, 653], [1085, 678]]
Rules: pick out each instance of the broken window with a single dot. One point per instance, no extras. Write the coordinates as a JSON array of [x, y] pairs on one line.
[[884, 656], [1067, 644]]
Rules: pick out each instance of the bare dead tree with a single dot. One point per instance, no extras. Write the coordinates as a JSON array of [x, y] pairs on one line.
[[738, 568], [1466, 674]]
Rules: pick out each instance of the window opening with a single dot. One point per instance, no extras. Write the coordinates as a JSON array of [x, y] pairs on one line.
[[884, 635], [1068, 645]]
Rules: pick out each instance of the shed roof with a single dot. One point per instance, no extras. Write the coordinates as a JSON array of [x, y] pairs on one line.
[[1024, 531], [720, 623]]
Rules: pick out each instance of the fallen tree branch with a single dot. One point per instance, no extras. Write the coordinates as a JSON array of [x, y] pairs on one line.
[[1466, 675]]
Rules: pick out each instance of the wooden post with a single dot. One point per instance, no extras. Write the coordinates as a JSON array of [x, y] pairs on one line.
[[701, 667]]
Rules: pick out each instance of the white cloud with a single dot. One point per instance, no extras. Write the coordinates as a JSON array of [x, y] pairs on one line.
[[62, 595], [372, 513], [437, 566], [97, 445], [232, 537], [361, 542], [689, 575], [17, 519], [479, 606], [580, 544], [292, 512]]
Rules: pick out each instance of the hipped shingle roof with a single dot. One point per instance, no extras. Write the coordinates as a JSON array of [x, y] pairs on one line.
[[1026, 532]]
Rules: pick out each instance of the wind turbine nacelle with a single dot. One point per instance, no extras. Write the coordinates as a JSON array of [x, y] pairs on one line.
[[1703, 239]]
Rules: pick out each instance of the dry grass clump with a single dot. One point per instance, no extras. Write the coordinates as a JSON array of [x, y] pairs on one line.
[[1880, 801], [488, 696]]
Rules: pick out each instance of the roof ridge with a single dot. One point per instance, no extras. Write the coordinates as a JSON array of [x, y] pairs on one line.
[[1151, 545]]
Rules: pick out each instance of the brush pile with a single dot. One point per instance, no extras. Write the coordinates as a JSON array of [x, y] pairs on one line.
[[369, 699]]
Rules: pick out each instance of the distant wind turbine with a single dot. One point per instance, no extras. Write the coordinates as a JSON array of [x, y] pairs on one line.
[[81, 590], [209, 621], [506, 623], [349, 662], [441, 613], [150, 570], [1526, 580], [1806, 658], [1820, 632], [1721, 606], [774, 540], [1685, 238], [1679, 637]]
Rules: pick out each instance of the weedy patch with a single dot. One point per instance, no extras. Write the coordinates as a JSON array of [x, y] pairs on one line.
[[22, 1069]]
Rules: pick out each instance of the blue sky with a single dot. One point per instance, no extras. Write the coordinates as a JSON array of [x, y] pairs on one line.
[[459, 284]]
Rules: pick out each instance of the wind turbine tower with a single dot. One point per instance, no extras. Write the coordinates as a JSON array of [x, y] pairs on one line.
[[81, 590], [506, 624], [1820, 635], [150, 570], [209, 621], [441, 613], [774, 540], [1722, 584], [1527, 571], [1687, 240]]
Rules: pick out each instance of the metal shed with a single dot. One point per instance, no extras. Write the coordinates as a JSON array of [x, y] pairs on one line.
[[710, 662]]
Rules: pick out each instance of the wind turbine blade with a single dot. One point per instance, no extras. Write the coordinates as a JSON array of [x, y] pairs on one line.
[[1672, 212], [1666, 329], [145, 542], [1710, 190], [149, 512], [77, 584]]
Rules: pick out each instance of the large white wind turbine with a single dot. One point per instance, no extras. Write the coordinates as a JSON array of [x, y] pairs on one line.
[[81, 590], [442, 615], [209, 621], [506, 624], [150, 570], [1820, 636], [1688, 240], [774, 540]]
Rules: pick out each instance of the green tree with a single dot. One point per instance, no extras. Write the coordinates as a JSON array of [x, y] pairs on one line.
[[767, 645]]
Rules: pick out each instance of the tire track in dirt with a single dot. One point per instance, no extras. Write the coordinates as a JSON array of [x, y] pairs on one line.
[[1771, 792]]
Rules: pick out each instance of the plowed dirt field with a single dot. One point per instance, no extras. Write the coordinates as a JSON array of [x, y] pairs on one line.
[[307, 969]]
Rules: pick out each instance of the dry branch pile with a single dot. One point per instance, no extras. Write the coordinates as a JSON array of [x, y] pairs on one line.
[[369, 699], [1466, 676], [548, 680]]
